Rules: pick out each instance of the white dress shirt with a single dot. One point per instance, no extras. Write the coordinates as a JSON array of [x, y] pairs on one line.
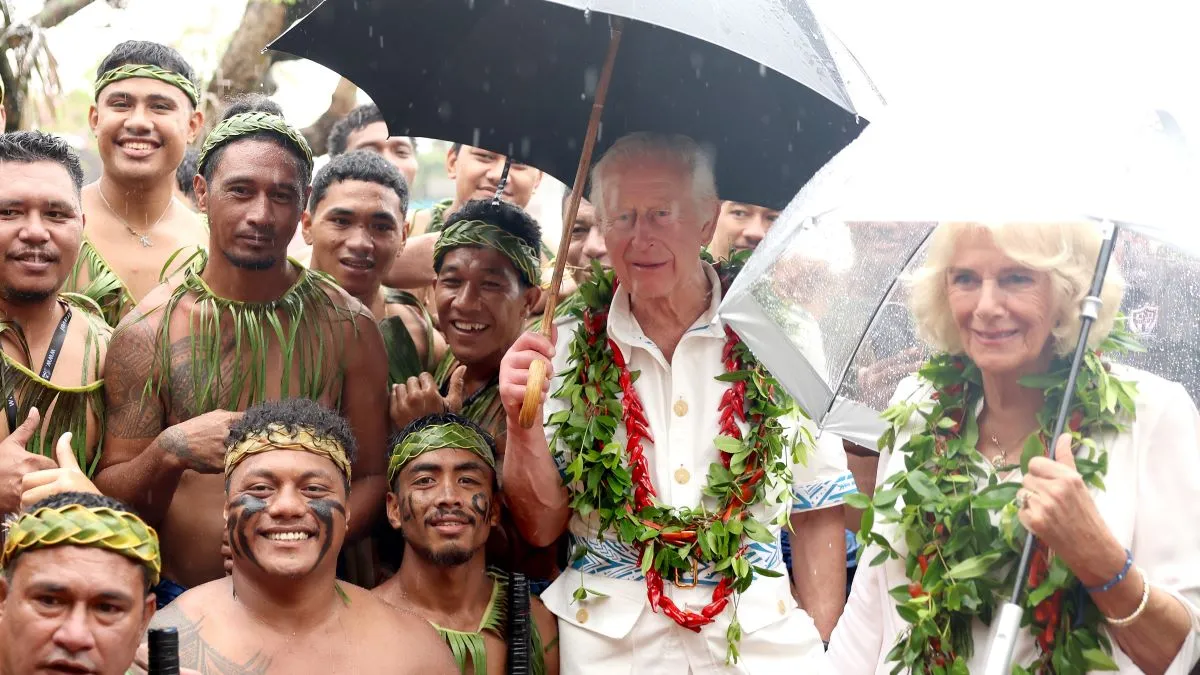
[[681, 401], [1150, 504]]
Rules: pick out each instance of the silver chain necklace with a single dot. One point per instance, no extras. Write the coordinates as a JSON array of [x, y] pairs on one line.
[[143, 238]]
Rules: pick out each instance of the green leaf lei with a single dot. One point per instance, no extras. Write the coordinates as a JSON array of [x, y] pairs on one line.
[[960, 563], [604, 476]]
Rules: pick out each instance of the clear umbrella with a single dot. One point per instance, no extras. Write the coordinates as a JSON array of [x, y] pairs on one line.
[[823, 300]]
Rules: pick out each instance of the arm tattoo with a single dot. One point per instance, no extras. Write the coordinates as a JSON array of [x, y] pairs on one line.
[[128, 365], [196, 653], [183, 381]]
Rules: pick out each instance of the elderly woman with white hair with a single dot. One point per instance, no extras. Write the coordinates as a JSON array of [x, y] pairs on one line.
[[1114, 583], [682, 455]]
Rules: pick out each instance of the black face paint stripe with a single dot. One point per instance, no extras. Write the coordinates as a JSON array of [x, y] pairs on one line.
[[246, 507], [481, 504], [324, 508]]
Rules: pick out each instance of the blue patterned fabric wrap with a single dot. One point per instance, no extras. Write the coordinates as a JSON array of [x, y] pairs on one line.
[[166, 591], [824, 493], [613, 559]]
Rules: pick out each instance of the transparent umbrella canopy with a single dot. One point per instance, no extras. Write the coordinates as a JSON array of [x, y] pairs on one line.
[[824, 302]]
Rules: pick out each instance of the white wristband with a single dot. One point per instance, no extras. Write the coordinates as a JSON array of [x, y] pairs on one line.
[[1121, 623]]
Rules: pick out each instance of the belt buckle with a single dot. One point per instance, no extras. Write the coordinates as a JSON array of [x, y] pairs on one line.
[[695, 575]]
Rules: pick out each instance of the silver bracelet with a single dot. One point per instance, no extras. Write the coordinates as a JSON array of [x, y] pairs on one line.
[[1120, 623]]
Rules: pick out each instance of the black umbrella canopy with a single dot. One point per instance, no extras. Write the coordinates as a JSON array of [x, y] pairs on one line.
[[750, 80]]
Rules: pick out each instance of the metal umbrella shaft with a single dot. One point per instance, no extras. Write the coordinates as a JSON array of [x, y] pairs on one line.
[[1008, 621], [531, 406]]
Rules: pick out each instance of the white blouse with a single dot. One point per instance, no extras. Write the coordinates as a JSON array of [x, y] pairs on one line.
[[1151, 504]]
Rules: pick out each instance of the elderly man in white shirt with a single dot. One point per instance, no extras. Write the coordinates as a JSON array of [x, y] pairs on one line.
[[678, 483]]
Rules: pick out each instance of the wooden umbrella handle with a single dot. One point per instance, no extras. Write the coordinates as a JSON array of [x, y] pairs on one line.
[[532, 405]]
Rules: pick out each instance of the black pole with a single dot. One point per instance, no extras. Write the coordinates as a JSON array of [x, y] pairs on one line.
[[503, 181], [163, 644], [1007, 624]]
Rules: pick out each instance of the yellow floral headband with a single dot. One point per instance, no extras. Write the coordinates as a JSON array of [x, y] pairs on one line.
[[280, 437]]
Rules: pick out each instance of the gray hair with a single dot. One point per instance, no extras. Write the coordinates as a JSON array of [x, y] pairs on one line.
[[675, 148]]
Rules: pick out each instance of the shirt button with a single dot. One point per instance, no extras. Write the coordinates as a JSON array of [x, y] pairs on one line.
[[682, 476], [582, 615], [681, 408]]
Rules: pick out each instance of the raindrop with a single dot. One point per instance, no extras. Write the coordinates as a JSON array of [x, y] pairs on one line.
[[475, 137], [697, 63], [487, 86], [471, 4], [600, 131], [587, 16], [762, 70], [790, 147], [591, 79], [443, 111], [525, 146], [856, 120], [371, 30], [381, 42]]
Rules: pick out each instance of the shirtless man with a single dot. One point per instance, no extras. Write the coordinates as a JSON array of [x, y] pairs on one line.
[[444, 501], [287, 507], [144, 118], [355, 224], [53, 349], [175, 372]]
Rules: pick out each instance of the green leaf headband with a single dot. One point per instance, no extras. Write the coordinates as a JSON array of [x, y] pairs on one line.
[[482, 233], [437, 437], [77, 525], [153, 72], [245, 124]]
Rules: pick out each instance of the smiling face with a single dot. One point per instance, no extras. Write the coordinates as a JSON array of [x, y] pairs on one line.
[[1004, 311], [355, 233], [41, 228], [398, 150], [653, 225], [253, 202], [476, 174], [482, 304], [443, 502], [142, 127], [286, 512], [72, 609]]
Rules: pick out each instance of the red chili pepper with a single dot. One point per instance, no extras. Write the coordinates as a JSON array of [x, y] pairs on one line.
[[923, 562], [713, 609], [678, 537], [1076, 420], [915, 590]]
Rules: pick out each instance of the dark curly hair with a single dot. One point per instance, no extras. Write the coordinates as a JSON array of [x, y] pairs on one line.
[[293, 413], [441, 418], [508, 217], [88, 500], [360, 165]]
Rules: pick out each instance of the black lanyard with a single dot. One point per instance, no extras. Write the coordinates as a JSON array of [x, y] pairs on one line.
[[52, 354]]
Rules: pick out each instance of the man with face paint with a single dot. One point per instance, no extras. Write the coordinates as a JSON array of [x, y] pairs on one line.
[[144, 117], [243, 326], [355, 225], [75, 597], [287, 488], [51, 362], [444, 502]]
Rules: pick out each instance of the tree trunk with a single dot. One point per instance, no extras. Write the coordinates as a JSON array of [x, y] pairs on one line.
[[340, 104], [244, 66], [17, 37]]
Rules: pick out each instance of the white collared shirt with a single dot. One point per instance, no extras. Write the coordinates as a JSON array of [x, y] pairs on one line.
[[681, 400]]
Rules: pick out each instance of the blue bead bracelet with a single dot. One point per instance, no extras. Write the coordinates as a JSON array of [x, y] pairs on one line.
[[1115, 580]]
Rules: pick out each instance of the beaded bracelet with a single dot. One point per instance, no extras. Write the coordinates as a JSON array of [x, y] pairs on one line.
[[1115, 580], [1119, 623]]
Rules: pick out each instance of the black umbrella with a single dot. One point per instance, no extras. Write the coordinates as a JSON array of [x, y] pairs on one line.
[[752, 80]]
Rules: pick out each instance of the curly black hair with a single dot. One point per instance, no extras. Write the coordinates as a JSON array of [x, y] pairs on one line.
[[360, 165], [504, 215], [441, 418], [27, 147], [144, 53], [293, 413], [88, 500], [244, 103]]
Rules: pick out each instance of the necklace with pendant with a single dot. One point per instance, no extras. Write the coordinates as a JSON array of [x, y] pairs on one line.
[[142, 237]]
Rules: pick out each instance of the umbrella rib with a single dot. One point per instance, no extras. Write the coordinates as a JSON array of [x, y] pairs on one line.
[[863, 336]]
